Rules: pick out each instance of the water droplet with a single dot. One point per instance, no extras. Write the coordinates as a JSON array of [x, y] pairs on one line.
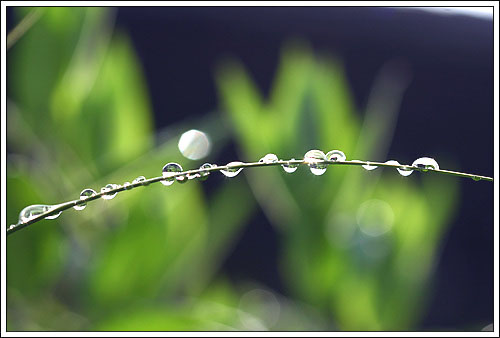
[[426, 163], [269, 158], [204, 174], [194, 144], [193, 176], [126, 185], [313, 159], [109, 187], [54, 216], [290, 167], [401, 171], [369, 166], [168, 170], [232, 172], [32, 211], [139, 179], [86, 193], [335, 155], [475, 178], [181, 179]]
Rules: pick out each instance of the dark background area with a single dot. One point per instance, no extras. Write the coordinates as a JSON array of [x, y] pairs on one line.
[[451, 58]]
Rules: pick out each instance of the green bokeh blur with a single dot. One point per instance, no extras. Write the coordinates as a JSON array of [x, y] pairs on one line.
[[356, 248]]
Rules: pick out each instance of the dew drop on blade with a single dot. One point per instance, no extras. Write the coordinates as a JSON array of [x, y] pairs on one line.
[[181, 179], [290, 167], [426, 163], [86, 193], [313, 159], [109, 187], [335, 155], [32, 211], [139, 179], [232, 172], [369, 167], [204, 173], [126, 185], [54, 216], [475, 178], [168, 170], [401, 171], [269, 158]]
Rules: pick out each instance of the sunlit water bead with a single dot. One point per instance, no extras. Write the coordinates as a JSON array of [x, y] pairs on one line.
[[335, 155], [32, 211], [313, 159], [290, 167], [232, 169], [86, 193], [204, 173], [109, 187], [269, 158], [181, 179], [426, 163], [139, 180], [126, 185], [168, 170], [368, 166], [401, 171]]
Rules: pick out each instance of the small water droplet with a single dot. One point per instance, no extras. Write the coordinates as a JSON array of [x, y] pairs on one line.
[[290, 167], [126, 185], [204, 174], [86, 193], [401, 171], [335, 155], [231, 172], [32, 211], [168, 170], [193, 176], [426, 163], [313, 159], [139, 179], [109, 187], [369, 166], [269, 158], [181, 179], [475, 178]]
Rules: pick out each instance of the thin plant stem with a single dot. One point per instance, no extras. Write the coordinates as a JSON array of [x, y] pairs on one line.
[[22, 27], [67, 205]]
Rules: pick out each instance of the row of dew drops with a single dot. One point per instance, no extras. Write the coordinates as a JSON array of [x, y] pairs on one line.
[[313, 158]]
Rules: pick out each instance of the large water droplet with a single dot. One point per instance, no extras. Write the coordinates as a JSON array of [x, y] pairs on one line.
[[426, 163], [313, 159], [86, 193], [204, 174], [168, 170], [369, 166], [401, 171], [232, 172], [32, 211], [109, 187], [269, 158], [335, 155], [290, 167]]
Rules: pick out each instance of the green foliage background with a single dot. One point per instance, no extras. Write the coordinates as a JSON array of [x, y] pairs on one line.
[[79, 116]]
